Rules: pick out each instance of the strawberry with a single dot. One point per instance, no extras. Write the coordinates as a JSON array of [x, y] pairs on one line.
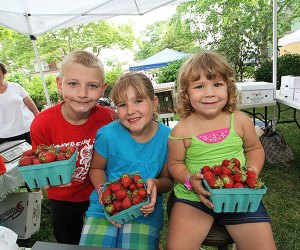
[[124, 175], [132, 187], [215, 183], [208, 175], [126, 181], [134, 192], [226, 170], [227, 181], [135, 178], [63, 149], [238, 185], [218, 170], [235, 169], [110, 208], [47, 156], [61, 157], [253, 183], [28, 152], [142, 192], [25, 161], [136, 200], [71, 149], [106, 198], [120, 194], [239, 177], [115, 186], [40, 148], [126, 203], [204, 169], [236, 162], [118, 205], [140, 184], [225, 163], [36, 161], [251, 174]]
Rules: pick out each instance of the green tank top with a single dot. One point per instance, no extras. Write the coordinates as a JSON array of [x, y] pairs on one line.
[[201, 153]]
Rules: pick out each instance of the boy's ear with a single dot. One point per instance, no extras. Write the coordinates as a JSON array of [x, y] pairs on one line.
[[103, 88], [59, 84]]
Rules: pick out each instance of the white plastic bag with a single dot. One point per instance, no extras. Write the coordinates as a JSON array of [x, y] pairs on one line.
[[8, 239]]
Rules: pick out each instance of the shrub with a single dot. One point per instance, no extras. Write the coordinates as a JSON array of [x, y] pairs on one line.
[[288, 64], [169, 73]]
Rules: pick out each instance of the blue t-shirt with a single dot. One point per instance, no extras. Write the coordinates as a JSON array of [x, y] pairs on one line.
[[125, 155]]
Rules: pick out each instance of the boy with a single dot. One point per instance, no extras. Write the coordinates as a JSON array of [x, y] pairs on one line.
[[74, 121]]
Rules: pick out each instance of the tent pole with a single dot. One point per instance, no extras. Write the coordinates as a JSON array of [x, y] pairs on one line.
[[274, 54], [36, 53]]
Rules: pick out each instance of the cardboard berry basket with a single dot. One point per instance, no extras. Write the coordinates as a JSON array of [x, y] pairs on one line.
[[129, 213], [229, 200], [49, 174]]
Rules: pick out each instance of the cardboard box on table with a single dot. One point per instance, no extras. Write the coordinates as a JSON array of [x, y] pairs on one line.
[[290, 87], [256, 92], [21, 212]]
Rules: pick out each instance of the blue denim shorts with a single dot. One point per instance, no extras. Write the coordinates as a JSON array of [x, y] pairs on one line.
[[260, 215]]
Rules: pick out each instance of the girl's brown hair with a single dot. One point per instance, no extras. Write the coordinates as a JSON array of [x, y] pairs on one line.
[[3, 69], [141, 84], [211, 65]]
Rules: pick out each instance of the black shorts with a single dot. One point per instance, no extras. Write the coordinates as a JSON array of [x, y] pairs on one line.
[[260, 215]]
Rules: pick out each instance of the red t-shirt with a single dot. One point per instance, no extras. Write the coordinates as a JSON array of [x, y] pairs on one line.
[[50, 127]]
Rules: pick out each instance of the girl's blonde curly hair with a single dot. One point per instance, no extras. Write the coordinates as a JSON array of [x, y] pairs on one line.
[[211, 65]]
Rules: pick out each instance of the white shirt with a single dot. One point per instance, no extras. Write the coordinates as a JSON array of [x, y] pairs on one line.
[[15, 117]]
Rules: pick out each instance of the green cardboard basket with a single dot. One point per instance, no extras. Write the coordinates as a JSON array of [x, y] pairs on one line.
[[129, 213], [49, 174], [229, 200]]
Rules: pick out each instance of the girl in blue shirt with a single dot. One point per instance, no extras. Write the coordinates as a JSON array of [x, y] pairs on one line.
[[135, 142]]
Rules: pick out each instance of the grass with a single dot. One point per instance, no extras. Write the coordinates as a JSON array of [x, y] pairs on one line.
[[282, 199]]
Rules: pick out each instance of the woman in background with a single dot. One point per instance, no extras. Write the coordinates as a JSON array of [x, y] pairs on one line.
[[17, 110]]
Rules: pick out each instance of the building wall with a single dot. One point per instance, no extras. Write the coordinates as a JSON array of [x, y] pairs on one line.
[[293, 48]]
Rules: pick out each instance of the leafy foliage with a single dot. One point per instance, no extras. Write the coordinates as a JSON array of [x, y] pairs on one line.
[[169, 73], [288, 64], [111, 78]]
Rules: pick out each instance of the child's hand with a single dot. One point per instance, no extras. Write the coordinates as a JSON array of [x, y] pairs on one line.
[[254, 170], [152, 192], [196, 182], [115, 223]]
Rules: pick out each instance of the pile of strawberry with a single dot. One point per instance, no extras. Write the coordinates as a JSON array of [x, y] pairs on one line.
[[46, 154], [127, 191], [230, 174]]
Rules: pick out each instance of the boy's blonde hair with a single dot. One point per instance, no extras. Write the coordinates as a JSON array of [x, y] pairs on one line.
[[84, 58], [211, 65], [139, 82]]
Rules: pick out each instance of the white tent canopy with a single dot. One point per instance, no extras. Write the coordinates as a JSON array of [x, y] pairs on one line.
[[290, 38], [35, 17]]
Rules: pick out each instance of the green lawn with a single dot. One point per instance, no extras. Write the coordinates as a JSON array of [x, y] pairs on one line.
[[282, 199]]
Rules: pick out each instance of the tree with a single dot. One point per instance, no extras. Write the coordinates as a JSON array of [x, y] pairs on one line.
[[240, 30], [16, 49]]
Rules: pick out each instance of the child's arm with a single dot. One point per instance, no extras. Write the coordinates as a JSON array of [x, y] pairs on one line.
[[97, 172], [254, 152]]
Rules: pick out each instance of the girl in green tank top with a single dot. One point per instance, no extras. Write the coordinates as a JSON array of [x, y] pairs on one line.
[[211, 129]]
